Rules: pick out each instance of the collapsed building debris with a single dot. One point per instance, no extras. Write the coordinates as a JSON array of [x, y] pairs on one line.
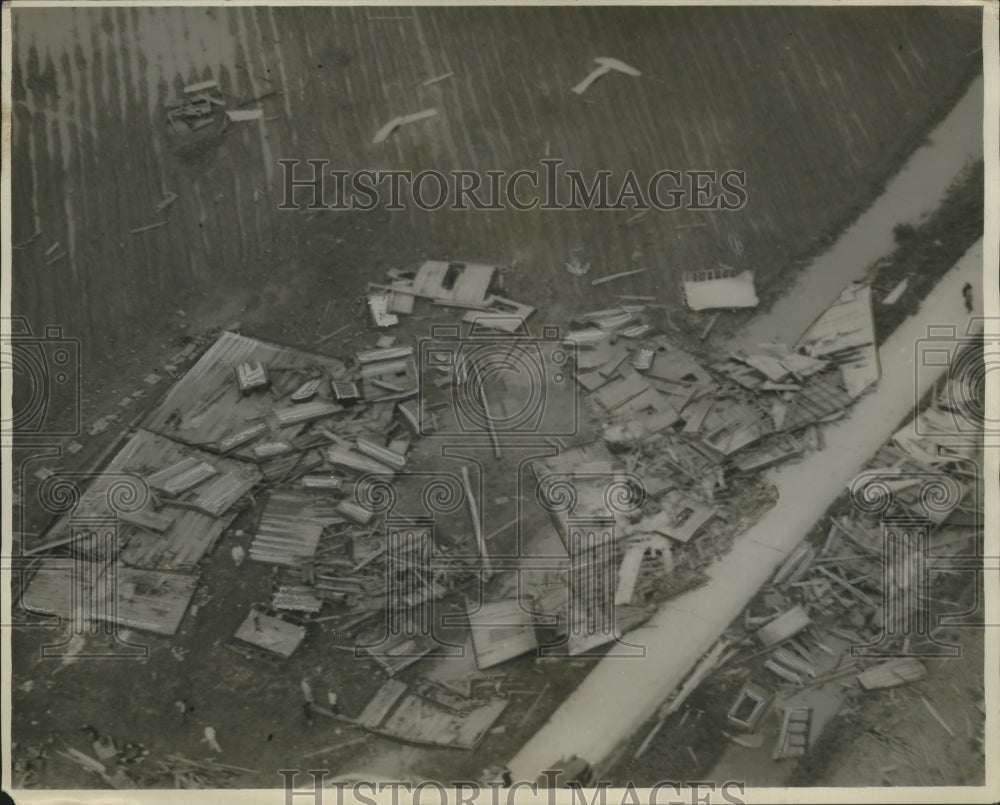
[[296, 435]]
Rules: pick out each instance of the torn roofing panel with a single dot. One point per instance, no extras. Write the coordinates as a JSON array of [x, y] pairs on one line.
[[205, 407], [845, 334]]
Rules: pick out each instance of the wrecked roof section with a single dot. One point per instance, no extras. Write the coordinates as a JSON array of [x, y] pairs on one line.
[[845, 336], [206, 406]]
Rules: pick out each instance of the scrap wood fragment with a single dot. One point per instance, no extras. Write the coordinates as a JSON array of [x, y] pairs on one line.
[[383, 133], [240, 115], [897, 671], [168, 199], [146, 228], [431, 81], [619, 275], [708, 327], [846, 585], [783, 627], [605, 65]]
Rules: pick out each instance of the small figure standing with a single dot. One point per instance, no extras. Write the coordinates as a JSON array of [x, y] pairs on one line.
[[967, 296]]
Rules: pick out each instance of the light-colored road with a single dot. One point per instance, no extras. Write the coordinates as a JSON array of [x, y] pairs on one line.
[[912, 193]]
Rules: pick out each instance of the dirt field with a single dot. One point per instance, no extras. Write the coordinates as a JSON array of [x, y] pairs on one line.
[[825, 106]]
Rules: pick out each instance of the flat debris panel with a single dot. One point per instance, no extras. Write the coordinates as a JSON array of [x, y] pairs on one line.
[[783, 627], [378, 708], [151, 600], [51, 590], [270, 634], [419, 721], [501, 630], [845, 334], [288, 531], [467, 283], [139, 599], [178, 534], [893, 672], [719, 288]]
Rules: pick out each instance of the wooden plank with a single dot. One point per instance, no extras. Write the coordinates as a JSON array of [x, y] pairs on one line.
[[378, 708], [783, 627], [270, 633], [501, 630], [628, 572], [151, 520], [897, 671]]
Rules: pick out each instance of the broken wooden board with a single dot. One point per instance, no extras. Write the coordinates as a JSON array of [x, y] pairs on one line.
[[151, 600], [270, 634], [767, 453], [342, 456], [57, 581], [417, 720], [591, 381], [402, 652], [897, 671], [845, 332], [241, 115], [784, 627], [139, 599], [191, 534], [501, 630], [383, 133], [378, 708], [390, 380], [628, 572], [694, 414], [453, 281], [158, 521]]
